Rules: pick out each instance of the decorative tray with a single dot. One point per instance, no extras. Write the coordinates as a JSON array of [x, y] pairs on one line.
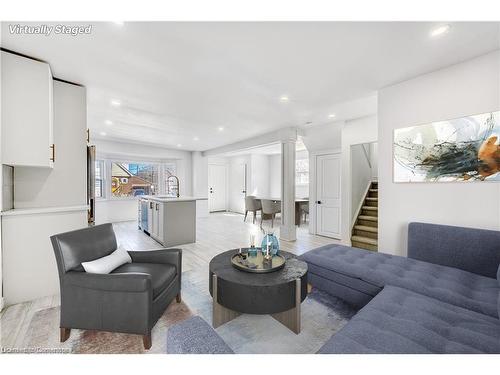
[[254, 261]]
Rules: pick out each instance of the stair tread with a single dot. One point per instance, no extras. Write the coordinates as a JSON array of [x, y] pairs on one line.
[[366, 228], [372, 208], [368, 218], [371, 199], [374, 190], [367, 240]]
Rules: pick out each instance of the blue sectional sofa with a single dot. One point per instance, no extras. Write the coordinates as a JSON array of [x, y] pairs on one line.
[[443, 298]]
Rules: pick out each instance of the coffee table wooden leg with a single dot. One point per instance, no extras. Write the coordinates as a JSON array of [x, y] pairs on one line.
[[291, 318], [220, 314]]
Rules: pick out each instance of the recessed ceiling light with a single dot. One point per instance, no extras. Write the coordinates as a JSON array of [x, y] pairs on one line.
[[116, 103], [332, 115], [440, 30], [284, 99], [196, 139], [108, 122], [220, 128], [179, 145], [103, 134]]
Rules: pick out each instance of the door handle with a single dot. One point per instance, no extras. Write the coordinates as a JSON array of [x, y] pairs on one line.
[[318, 202], [243, 191]]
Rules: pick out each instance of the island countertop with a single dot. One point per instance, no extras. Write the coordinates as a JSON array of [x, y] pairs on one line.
[[166, 199]]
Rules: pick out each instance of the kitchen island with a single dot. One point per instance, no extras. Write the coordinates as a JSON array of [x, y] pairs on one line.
[[169, 220]]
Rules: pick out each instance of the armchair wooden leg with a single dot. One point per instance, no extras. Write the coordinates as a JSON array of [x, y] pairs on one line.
[[245, 218], [254, 215], [146, 340], [178, 298], [64, 334]]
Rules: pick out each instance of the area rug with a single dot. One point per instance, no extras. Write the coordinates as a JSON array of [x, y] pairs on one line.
[[322, 316], [43, 332]]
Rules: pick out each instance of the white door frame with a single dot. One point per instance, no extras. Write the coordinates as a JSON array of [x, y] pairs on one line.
[[232, 185], [313, 182], [226, 201]]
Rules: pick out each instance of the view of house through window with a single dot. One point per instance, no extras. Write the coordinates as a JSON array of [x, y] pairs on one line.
[[133, 179], [302, 171]]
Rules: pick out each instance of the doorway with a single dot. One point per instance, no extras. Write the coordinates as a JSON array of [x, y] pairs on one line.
[[238, 187], [217, 183], [328, 198]]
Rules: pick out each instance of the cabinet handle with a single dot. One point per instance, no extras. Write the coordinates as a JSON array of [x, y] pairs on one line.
[[151, 205], [88, 135], [156, 206], [53, 150]]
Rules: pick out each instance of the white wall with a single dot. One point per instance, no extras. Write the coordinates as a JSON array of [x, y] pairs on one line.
[[361, 176], [275, 176], [259, 175], [323, 137], [464, 89], [374, 159], [363, 130], [301, 191], [124, 209], [200, 174]]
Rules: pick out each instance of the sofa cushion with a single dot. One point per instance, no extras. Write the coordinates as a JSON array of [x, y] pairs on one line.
[[400, 321], [161, 274], [107, 263], [368, 271], [498, 279]]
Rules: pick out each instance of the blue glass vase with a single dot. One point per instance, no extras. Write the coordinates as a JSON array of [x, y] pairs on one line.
[[275, 245]]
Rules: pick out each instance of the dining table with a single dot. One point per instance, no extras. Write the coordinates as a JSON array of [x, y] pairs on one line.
[[299, 203]]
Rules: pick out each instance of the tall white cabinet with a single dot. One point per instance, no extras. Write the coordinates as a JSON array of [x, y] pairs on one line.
[[49, 197], [27, 112]]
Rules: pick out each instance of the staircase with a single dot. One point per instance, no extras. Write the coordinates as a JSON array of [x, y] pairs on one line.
[[365, 230]]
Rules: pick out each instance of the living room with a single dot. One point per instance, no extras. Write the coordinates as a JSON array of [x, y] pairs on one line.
[[250, 188]]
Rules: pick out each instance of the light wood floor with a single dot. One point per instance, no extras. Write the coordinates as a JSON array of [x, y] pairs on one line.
[[216, 233]]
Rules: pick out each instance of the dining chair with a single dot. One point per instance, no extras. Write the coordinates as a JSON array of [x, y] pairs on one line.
[[270, 208], [253, 205]]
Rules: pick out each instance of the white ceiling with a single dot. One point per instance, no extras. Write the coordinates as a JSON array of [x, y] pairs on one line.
[[177, 81], [269, 149]]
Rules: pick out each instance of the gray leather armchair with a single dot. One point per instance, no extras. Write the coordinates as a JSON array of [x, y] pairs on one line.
[[130, 299]]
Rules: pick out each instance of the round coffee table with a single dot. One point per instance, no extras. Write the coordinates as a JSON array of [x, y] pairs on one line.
[[278, 293]]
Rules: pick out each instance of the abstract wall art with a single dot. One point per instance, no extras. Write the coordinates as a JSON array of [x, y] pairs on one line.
[[462, 149]]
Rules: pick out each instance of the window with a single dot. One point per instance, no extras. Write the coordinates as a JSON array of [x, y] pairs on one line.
[[302, 171], [171, 187], [99, 179], [133, 179]]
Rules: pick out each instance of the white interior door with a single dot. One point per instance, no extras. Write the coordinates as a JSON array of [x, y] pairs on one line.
[[216, 187], [328, 171], [238, 188]]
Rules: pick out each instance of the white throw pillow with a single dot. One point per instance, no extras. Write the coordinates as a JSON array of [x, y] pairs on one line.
[[108, 263]]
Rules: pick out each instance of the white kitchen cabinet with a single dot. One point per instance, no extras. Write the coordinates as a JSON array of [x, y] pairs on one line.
[[27, 112], [157, 224], [172, 221]]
